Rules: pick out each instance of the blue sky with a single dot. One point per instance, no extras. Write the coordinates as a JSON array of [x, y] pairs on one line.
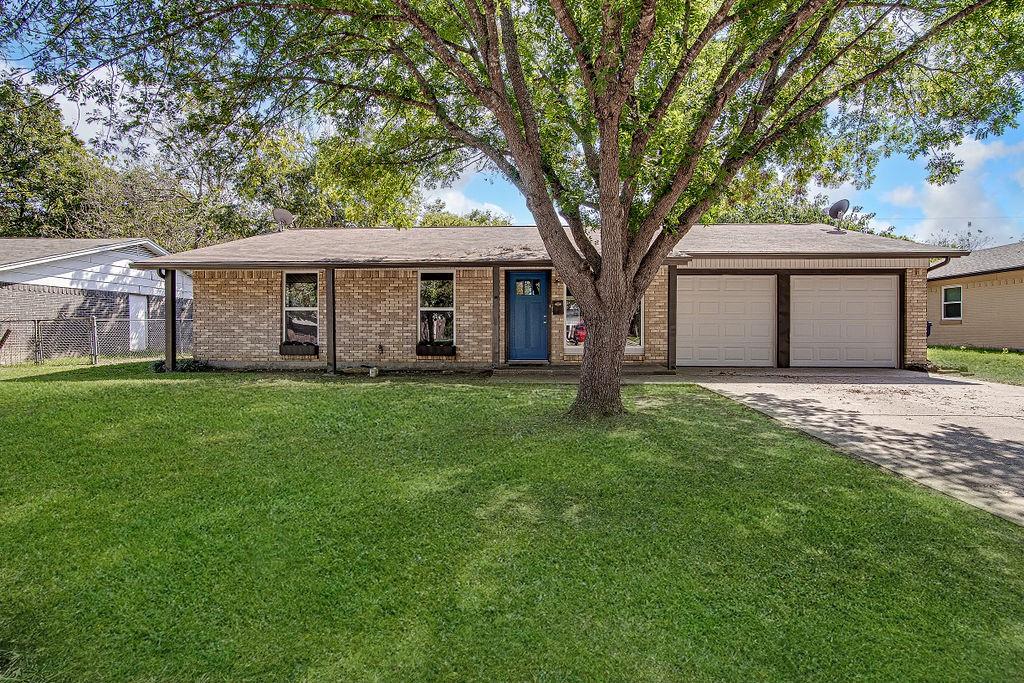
[[989, 193]]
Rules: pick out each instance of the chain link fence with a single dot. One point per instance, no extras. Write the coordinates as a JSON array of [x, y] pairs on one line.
[[87, 340]]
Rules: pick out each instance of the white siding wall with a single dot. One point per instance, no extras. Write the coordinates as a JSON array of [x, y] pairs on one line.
[[106, 271]]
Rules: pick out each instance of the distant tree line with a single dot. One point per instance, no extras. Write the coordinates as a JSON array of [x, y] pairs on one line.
[[189, 193]]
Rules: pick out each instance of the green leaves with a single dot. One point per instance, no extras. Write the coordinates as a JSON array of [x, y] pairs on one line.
[[398, 95], [43, 167]]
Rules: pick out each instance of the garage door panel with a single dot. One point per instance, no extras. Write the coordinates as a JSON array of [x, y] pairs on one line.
[[708, 307], [725, 320], [858, 308], [827, 330], [734, 307], [844, 320]]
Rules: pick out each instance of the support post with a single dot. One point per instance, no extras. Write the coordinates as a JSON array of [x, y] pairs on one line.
[[94, 339], [782, 320], [495, 316], [673, 283], [170, 321], [332, 352]]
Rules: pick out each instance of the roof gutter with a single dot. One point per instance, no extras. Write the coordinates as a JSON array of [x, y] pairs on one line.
[[941, 263], [991, 271], [160, 264]]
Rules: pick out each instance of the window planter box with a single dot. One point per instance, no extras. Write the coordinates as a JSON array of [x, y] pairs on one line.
[[435, 349], [296, 349]]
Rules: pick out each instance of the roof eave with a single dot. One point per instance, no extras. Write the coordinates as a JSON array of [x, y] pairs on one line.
[[828, 255], [86, 252], [352, 265], [990, 271]]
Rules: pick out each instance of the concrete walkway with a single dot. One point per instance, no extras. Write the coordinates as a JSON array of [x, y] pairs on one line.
[[960, 436]]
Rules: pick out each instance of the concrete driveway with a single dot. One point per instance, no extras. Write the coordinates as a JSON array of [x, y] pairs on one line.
[[958, 435]]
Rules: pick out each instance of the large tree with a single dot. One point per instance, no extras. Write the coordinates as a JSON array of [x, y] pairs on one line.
[[43, 167], [622, 122]]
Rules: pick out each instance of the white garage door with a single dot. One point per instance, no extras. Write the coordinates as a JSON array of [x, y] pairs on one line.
[[844, 321], [725, 320]]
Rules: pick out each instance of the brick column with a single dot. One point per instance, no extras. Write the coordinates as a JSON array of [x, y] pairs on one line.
[[915, 343]]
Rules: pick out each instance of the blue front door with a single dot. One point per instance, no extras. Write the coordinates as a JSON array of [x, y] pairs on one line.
[[528, 315]]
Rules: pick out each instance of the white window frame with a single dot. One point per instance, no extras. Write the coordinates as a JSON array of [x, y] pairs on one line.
[[943, 302], [285, 307], [420, 309], [631, 350]]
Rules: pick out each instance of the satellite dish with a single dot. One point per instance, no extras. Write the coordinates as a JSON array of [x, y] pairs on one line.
[[283, 217], [839, 208]]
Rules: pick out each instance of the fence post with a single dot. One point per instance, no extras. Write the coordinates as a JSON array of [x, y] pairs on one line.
[[95, 343], [39, 341]]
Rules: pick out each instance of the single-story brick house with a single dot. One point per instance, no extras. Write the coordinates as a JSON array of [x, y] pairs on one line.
[[483, 297], [978, 300]]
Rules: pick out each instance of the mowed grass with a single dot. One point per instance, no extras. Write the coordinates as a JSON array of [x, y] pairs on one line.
[[990, 364], [297, 528]]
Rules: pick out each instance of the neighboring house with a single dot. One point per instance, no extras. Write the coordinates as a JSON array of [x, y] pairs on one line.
[[978, 300], [729, 295], [48, 279]]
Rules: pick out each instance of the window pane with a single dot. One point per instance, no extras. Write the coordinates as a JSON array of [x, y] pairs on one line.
[[437, 327], [576, 327], [437, 290], [951, 294], [528, 287], [300, 326], [300, 290], [634, 336], [951, 310]]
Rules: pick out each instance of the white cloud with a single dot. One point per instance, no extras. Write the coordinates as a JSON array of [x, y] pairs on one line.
[[902, 195], [455, 199], [949, 208], [1019, 176], [974, 153], [844, 191]]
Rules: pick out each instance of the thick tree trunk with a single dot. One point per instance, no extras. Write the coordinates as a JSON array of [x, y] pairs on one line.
[[599, 392]]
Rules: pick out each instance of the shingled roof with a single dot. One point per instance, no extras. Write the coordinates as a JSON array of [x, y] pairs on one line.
[[994, 260], [19, 251], [521, 245]]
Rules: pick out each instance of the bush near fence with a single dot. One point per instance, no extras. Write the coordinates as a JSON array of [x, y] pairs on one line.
[[87, 339]]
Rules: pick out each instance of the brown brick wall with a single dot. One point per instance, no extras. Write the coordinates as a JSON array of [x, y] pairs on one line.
[[915, 344], [378, 314], [238, 318]]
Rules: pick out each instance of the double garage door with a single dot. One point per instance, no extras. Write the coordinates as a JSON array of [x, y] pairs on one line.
[[833, 320]]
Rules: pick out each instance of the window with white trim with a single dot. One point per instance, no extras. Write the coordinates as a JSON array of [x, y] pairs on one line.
[[575, 330], [301, 312], [437, 307], [953, 302]]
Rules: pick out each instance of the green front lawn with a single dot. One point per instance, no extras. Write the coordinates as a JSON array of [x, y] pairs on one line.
[[987, 364], [268, 527]]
